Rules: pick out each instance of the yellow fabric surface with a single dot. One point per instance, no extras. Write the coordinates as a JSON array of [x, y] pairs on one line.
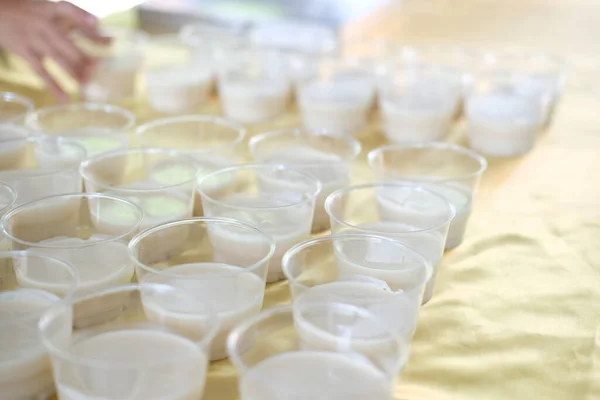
[[516, 310]]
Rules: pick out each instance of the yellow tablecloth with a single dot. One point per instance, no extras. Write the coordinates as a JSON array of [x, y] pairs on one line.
[[516, 311]]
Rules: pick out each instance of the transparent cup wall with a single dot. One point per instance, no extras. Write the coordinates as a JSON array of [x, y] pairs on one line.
[[14, 108], [276, 199], [30, 283], [449, 170], [126, 342], [161, 181], [416, 217], [115, 76], [327, 157], [205, 262], [90, 231], [253, 85], [175, 82], [419, 104], [369, 271], [213, 142], [339, 98], [97, 127], [331, 348], [40, 167], [503, 117]]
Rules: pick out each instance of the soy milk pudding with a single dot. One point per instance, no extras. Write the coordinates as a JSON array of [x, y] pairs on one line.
[[250, 101], [235, 294], [25, 370], [329, 168], [178, 373], [115, 75], [176, 89], [287, 221], [399, 310], [429, 244], [340, 106], [461, 199], [311, 374], [100, 262], [503, 124], [418, 111]]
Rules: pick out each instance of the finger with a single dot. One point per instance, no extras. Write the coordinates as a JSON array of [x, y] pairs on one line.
[[71, 17], [63, 50], [88, 71], [36, 63], [76, 16]]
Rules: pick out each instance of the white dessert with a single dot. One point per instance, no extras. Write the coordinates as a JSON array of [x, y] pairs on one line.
[[373, 259], [179, 372], [272, 214], [503, 124], [251, 101], [315, 375], [25, 371], [330, 169], [339, 106], [234, 293], [114, 79], [417, 117], [208, 163], [462, 199], [13, 154], [399, 310], [177, 89], [99, 265]]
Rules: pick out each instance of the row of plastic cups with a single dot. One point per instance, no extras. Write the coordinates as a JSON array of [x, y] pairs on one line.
[[277, 199], [328, 159], [107, 354], [116, 324]]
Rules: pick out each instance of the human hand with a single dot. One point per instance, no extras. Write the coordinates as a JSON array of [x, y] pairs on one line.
[[36, 30]]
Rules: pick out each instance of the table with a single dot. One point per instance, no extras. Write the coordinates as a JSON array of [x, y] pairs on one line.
[[516, 311]]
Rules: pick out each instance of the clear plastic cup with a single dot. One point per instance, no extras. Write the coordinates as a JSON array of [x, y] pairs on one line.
[[416, 217], [30, 283], [419, 105], [91, 231], [308, 38], [162, 182], [278, 200], [447, 169], [253, 85], [327, 157], [312, 349], [14, 108], [127, 342], [339, 99], [8, 197], [212, 141], [536, 74], [97, 127], [207, 40], [232, 281], [115, 75], [502, 120], [40, 167], [174, 83], [373, 272]]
